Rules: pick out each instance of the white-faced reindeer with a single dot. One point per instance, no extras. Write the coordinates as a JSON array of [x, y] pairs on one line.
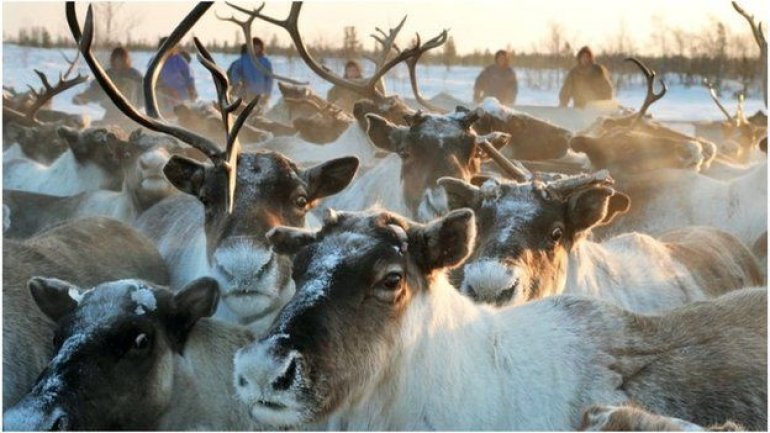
[[217, 228], [144, 184], [86, 252], [532, 243], [173, 369], [401, 369], [97, 158]]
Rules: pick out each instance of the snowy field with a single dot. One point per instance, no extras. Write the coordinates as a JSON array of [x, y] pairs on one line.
[[680, 103]]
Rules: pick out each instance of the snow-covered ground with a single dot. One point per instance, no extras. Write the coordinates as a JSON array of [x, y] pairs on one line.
[[680, 103]]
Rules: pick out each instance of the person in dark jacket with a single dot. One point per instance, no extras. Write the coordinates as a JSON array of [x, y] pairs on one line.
[[248, 80], [126, 78], [498, 80], [586, 82], [344, 98]]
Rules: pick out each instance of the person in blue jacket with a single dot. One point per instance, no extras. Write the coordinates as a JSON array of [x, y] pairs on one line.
[[176, 83], [248, 80]]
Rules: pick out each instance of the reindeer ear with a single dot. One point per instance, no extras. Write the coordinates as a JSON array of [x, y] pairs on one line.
[[72, 137], [594, 206], [460, 194], [618, 205], [196, 300], [55, 298], [330, 177], [445, 242], [289, 240], [384, 134], [185, 174]]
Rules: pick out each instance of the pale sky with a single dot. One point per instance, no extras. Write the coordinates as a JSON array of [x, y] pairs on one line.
[[474, 24]]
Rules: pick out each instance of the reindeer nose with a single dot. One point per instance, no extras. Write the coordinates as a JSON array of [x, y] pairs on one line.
[[152, 160]]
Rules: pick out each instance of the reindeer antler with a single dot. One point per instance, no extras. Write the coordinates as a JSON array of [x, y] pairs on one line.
[[651, 96], [715, 98], [756, 29], [412, 64], [225, 160], [245, 26]]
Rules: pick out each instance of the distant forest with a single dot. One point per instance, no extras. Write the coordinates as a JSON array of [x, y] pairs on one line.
[[713, 53]]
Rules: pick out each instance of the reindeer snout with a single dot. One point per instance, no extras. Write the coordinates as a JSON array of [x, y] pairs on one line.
[[154, 160], [264, 371], [490, 282]]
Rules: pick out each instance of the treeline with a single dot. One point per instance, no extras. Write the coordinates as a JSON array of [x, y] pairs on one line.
[[710, 53]]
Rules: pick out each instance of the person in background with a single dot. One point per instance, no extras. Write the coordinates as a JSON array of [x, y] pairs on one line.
[[126, 78], [345, 98], [498, 80], [248, 80], [176, 83], [586, 82]]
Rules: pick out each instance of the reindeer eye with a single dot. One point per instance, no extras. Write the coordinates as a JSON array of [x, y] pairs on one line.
[[392, 281], [141, 342], [300, 202], [556, 234]]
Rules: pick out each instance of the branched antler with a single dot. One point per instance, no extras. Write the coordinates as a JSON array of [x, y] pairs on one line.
[[412, 65], [224, 160], [245, 26], [651, 96]]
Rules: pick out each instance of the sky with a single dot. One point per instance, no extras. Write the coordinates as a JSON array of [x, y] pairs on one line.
[[475, 25]]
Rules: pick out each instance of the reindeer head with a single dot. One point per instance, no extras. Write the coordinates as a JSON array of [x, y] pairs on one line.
[[525, 231], [430, 147]]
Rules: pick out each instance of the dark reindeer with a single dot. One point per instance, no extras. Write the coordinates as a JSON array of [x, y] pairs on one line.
[[219, 226]]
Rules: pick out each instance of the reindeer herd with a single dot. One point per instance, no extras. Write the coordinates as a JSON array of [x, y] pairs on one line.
[[382, 267]]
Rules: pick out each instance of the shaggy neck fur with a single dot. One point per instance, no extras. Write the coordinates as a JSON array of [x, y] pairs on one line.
[[203, 395], [381, 185], [459, 366], [655, 281]]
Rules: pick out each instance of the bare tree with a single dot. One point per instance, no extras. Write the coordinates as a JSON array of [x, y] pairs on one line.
[[117, 21]]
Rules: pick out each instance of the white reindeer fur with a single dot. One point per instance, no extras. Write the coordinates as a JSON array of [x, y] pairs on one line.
[[686, 198], [64, 177], [380, 185], [203, 396], [634, 271], [523, 368]]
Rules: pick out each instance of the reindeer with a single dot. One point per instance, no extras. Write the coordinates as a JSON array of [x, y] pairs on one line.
[[633, 144], [431, 146], [85, 251], [401, 369], [217, 228], [737, 137], [97, 158], [532, 244], [29, 131], [670, 199], [144, 185], [531, 138], [173, 373]]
